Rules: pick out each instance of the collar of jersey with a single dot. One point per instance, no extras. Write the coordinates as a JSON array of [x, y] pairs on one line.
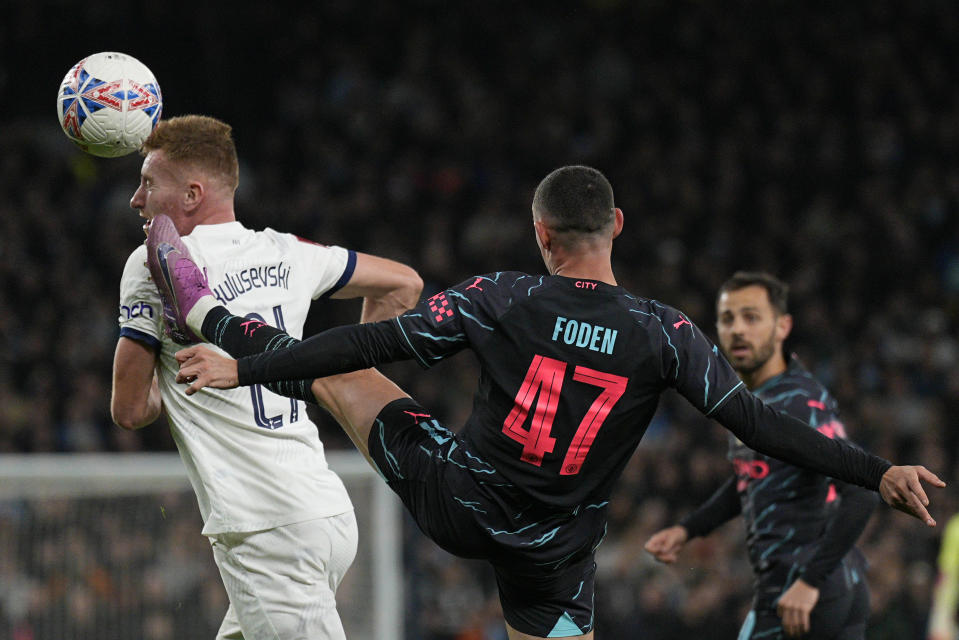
[[571, 282], [793, 366], [222, 230]]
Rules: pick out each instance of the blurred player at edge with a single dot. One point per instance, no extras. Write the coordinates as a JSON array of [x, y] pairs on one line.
[[810, 579], [279, 520], [572, 367], [945, 595]]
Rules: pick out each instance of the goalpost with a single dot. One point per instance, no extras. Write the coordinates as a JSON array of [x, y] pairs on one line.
[[109, 546]]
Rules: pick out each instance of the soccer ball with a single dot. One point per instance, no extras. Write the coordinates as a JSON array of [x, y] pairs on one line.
[[109, 103]]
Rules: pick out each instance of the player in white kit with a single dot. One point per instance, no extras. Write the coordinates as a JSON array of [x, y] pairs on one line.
[[280, 521]]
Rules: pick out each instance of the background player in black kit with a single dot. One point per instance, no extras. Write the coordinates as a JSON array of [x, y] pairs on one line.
[[572, 370], [810, 579]]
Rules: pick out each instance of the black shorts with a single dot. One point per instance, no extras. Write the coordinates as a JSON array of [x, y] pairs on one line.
[[840, 614], [542, 556]]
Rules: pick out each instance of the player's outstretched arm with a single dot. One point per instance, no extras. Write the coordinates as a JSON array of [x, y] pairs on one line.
[[268, 355], [781, 436], [721, 507]]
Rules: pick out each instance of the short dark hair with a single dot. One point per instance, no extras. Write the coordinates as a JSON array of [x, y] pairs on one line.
[[776, 289], [575, 198]]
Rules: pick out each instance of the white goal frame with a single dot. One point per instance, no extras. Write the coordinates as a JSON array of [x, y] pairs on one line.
[[39, 476]]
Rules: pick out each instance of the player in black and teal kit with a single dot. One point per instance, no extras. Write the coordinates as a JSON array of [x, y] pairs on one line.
[[572, 370], [800, 526]]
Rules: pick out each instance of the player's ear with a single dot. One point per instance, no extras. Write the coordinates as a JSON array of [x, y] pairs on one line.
[[784, 326], [543, 238], [618, 226], [193, 195]]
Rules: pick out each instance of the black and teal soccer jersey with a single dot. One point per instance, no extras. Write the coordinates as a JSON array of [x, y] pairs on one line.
[[572, 371], [794, 526], [571, 374], [786, 508]]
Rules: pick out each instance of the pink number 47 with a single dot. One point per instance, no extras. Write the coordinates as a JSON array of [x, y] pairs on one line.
[[543, 383]]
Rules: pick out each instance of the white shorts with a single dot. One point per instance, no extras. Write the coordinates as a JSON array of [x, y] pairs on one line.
[[282, 582]]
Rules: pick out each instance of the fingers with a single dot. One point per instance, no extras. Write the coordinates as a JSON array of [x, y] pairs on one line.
[[189, 370], [196, 377], [655, 542], [666, 556], [901, 487], [914, 506], [664, 547], [195, 386], [908, 502], [915, 494], [915, 488], [928, 476], [788, 625], [796, 620], [185, 354], [795, 624], [654, 546], [195, 363], [795, 608]]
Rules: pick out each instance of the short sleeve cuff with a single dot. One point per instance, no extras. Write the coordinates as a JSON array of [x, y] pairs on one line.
[[140, 336]]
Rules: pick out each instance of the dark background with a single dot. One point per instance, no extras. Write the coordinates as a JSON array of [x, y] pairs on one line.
[[814, 141]]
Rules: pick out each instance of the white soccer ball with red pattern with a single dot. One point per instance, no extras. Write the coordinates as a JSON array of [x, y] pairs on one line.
[[109, 103]]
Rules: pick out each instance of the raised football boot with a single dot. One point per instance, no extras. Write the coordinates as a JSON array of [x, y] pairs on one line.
[[177, 277]]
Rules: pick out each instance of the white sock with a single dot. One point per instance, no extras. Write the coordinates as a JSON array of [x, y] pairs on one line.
[[197, 314]]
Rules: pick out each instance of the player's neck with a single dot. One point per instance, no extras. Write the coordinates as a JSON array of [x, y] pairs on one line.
[[220, 217], [213, 215], [771, 368], [586, 269]]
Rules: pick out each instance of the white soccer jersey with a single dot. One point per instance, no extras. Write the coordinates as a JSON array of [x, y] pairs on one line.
[[254, 458]]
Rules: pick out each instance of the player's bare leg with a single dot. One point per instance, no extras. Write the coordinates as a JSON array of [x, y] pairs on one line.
[[518, 635], [354, 400]]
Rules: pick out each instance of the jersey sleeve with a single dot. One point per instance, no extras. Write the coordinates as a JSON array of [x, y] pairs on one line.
[[722, 506], [329, 267], [141, 313], [693, 365], [442, 325], [455, 319], [778, 434]]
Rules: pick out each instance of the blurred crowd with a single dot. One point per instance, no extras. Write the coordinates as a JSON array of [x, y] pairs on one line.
[[128, 568], [820, 144]]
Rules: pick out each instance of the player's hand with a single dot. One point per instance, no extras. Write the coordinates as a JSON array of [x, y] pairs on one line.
[[201, 367], [901, 488], [795, 606], [666, 544]]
